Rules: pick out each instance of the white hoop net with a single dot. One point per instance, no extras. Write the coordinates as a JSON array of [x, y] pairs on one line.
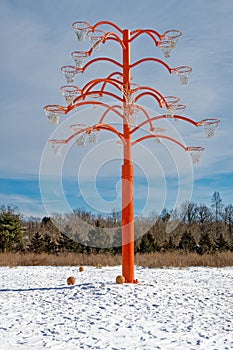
[[196, 153], [93, 136], [166, 48], [183, 74], [57, 149], [69, 73], [80, 29], [81, 140], [54, 118], [210, 129]]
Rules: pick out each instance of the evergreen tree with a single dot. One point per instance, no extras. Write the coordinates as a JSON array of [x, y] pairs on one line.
[[148, 244], [49, 245], [66, 244], [221, 243], [98, 238], [204, 243], [187, 242], [169, 244], [11, 234], [37, 243]]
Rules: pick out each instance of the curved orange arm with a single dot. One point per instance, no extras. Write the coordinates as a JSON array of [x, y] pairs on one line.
[[94, 82], [107, 23], [138, 32], [110, 76], [109, 110], [89, 130], [152, 59], [83, 103], [156, 92], [83, 96], [164, 117], [160, 137], [148, 93], [113, 36], [148, 32], [101, 59]]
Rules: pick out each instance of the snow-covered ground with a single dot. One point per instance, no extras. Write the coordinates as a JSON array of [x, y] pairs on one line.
[[169, 309]]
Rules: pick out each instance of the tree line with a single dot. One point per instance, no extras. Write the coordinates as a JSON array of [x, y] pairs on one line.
[[196, 228]]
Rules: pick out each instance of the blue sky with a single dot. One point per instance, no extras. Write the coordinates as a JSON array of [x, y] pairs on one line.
[[36, 41]]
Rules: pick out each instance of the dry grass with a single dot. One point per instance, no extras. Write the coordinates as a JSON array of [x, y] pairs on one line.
[[178, 259], [166, 259], [65, 259]]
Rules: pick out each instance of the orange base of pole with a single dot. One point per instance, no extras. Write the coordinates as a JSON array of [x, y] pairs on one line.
[[128, 262], [128, 223]]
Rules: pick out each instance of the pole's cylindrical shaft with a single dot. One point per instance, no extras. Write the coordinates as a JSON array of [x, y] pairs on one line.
[[127, 177], [128, 222]]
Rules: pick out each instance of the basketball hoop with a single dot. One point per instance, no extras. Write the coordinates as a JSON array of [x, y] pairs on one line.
[[79, 127], [166, 48], [175, 109], [93, 136], [196, 153], [81, 29], [69, 73], [53, 112], [84, 133], [70, 92], [183, 73], [56, 146], [79, 57], [210, 126], [96, 38], [171, 102], [172, 36]]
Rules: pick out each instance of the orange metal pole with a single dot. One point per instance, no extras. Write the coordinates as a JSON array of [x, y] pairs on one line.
[[127, 179]]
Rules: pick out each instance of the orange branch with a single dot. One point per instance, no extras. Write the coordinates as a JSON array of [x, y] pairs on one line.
[[159, 137], [108, 110], [107, 23], [83, 96], [148, 32], [89, 129], [165, 117], [101, 59], [94, 82], [151, 59], [142, 31]]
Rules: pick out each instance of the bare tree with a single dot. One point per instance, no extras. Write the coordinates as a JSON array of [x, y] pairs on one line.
[[217, 206]]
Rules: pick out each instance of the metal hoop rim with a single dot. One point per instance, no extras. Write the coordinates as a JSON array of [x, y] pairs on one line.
[[181, 70], [77, 127], [97, 32], [80, 53], [55, 108], [80, 28], [194, 148], [70, 69], [56, 141], [173, 36], [209, 121], [174, 100], [70, 88]]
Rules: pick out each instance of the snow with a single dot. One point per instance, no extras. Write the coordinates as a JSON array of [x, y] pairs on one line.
[[169, 309]]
